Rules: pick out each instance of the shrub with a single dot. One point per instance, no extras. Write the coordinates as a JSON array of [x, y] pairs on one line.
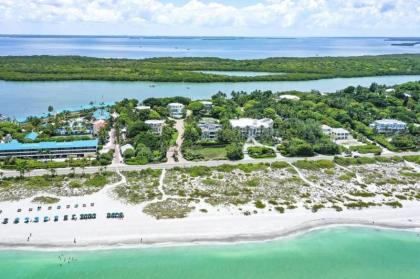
[[279, 209], [261, 152], [45, 200], [259, 204], [234, 151]]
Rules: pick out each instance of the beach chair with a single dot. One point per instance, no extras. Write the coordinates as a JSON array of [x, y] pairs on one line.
[[46, 219], [68, 206], [16, 221], [92, 204], [19, 210], [36, 219], [66, 217], [55, 218], [84, 205], [5, 220], [49, 207], [94, 215], [39, 208], [74, 217], [26, 220], [58, 206], [108, 215], [30, 209]]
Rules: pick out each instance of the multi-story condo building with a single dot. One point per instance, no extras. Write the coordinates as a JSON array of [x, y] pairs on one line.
[[252, 128], [210, 128], [176, 110], [388, 126], [155, 125], [48, 150]]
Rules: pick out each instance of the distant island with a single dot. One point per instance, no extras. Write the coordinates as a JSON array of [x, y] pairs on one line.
[[406, 44], [52, 68]]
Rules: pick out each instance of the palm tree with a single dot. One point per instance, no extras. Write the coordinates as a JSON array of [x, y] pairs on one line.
[[22, 168], [73, 171], [53, 172]]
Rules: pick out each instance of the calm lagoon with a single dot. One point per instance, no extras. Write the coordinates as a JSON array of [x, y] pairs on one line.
[[22, 99]]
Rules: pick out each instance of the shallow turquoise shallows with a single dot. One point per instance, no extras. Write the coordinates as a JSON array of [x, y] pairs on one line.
[[333, 253]]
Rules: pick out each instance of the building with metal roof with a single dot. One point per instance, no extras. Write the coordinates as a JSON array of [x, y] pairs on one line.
[[47, 150]]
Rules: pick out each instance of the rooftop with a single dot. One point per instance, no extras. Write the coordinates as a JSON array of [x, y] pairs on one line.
[[250, 122], [14, 145], [154, 121], [175, 105], [208, 120], [142, 107], [389, 121], [31, 136], [126, 147], [289, 97]]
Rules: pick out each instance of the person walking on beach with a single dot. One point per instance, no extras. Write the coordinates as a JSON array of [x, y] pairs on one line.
[[74, 240]]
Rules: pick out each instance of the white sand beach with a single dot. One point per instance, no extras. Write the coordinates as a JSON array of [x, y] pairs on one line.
[[140, 230]]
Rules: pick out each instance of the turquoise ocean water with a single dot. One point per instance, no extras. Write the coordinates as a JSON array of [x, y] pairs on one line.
[[331, 253]]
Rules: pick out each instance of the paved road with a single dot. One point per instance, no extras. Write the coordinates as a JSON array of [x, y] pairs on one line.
[[122, 167]]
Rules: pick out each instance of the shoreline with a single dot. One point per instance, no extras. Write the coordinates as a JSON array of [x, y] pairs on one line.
[[233, 239]]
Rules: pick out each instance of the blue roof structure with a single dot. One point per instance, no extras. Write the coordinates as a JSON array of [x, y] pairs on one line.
[[48, 145], [31, 136], [101, 114]]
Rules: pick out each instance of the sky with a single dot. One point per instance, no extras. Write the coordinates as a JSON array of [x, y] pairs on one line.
[[279, 18]]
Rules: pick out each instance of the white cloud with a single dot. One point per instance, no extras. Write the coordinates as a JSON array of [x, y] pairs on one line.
[[351, 15]]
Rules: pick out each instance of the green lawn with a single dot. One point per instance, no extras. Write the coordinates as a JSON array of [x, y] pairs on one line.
[[211, 153]]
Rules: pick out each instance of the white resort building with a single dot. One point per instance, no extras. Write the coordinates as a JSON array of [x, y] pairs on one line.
[[155, 125], [335, 133], [210, 128], [252, 128], [176, 110], [388, 126]]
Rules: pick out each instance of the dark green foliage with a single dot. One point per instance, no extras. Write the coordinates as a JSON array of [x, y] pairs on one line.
[[234, 151], [261, 152], [182, 69]]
